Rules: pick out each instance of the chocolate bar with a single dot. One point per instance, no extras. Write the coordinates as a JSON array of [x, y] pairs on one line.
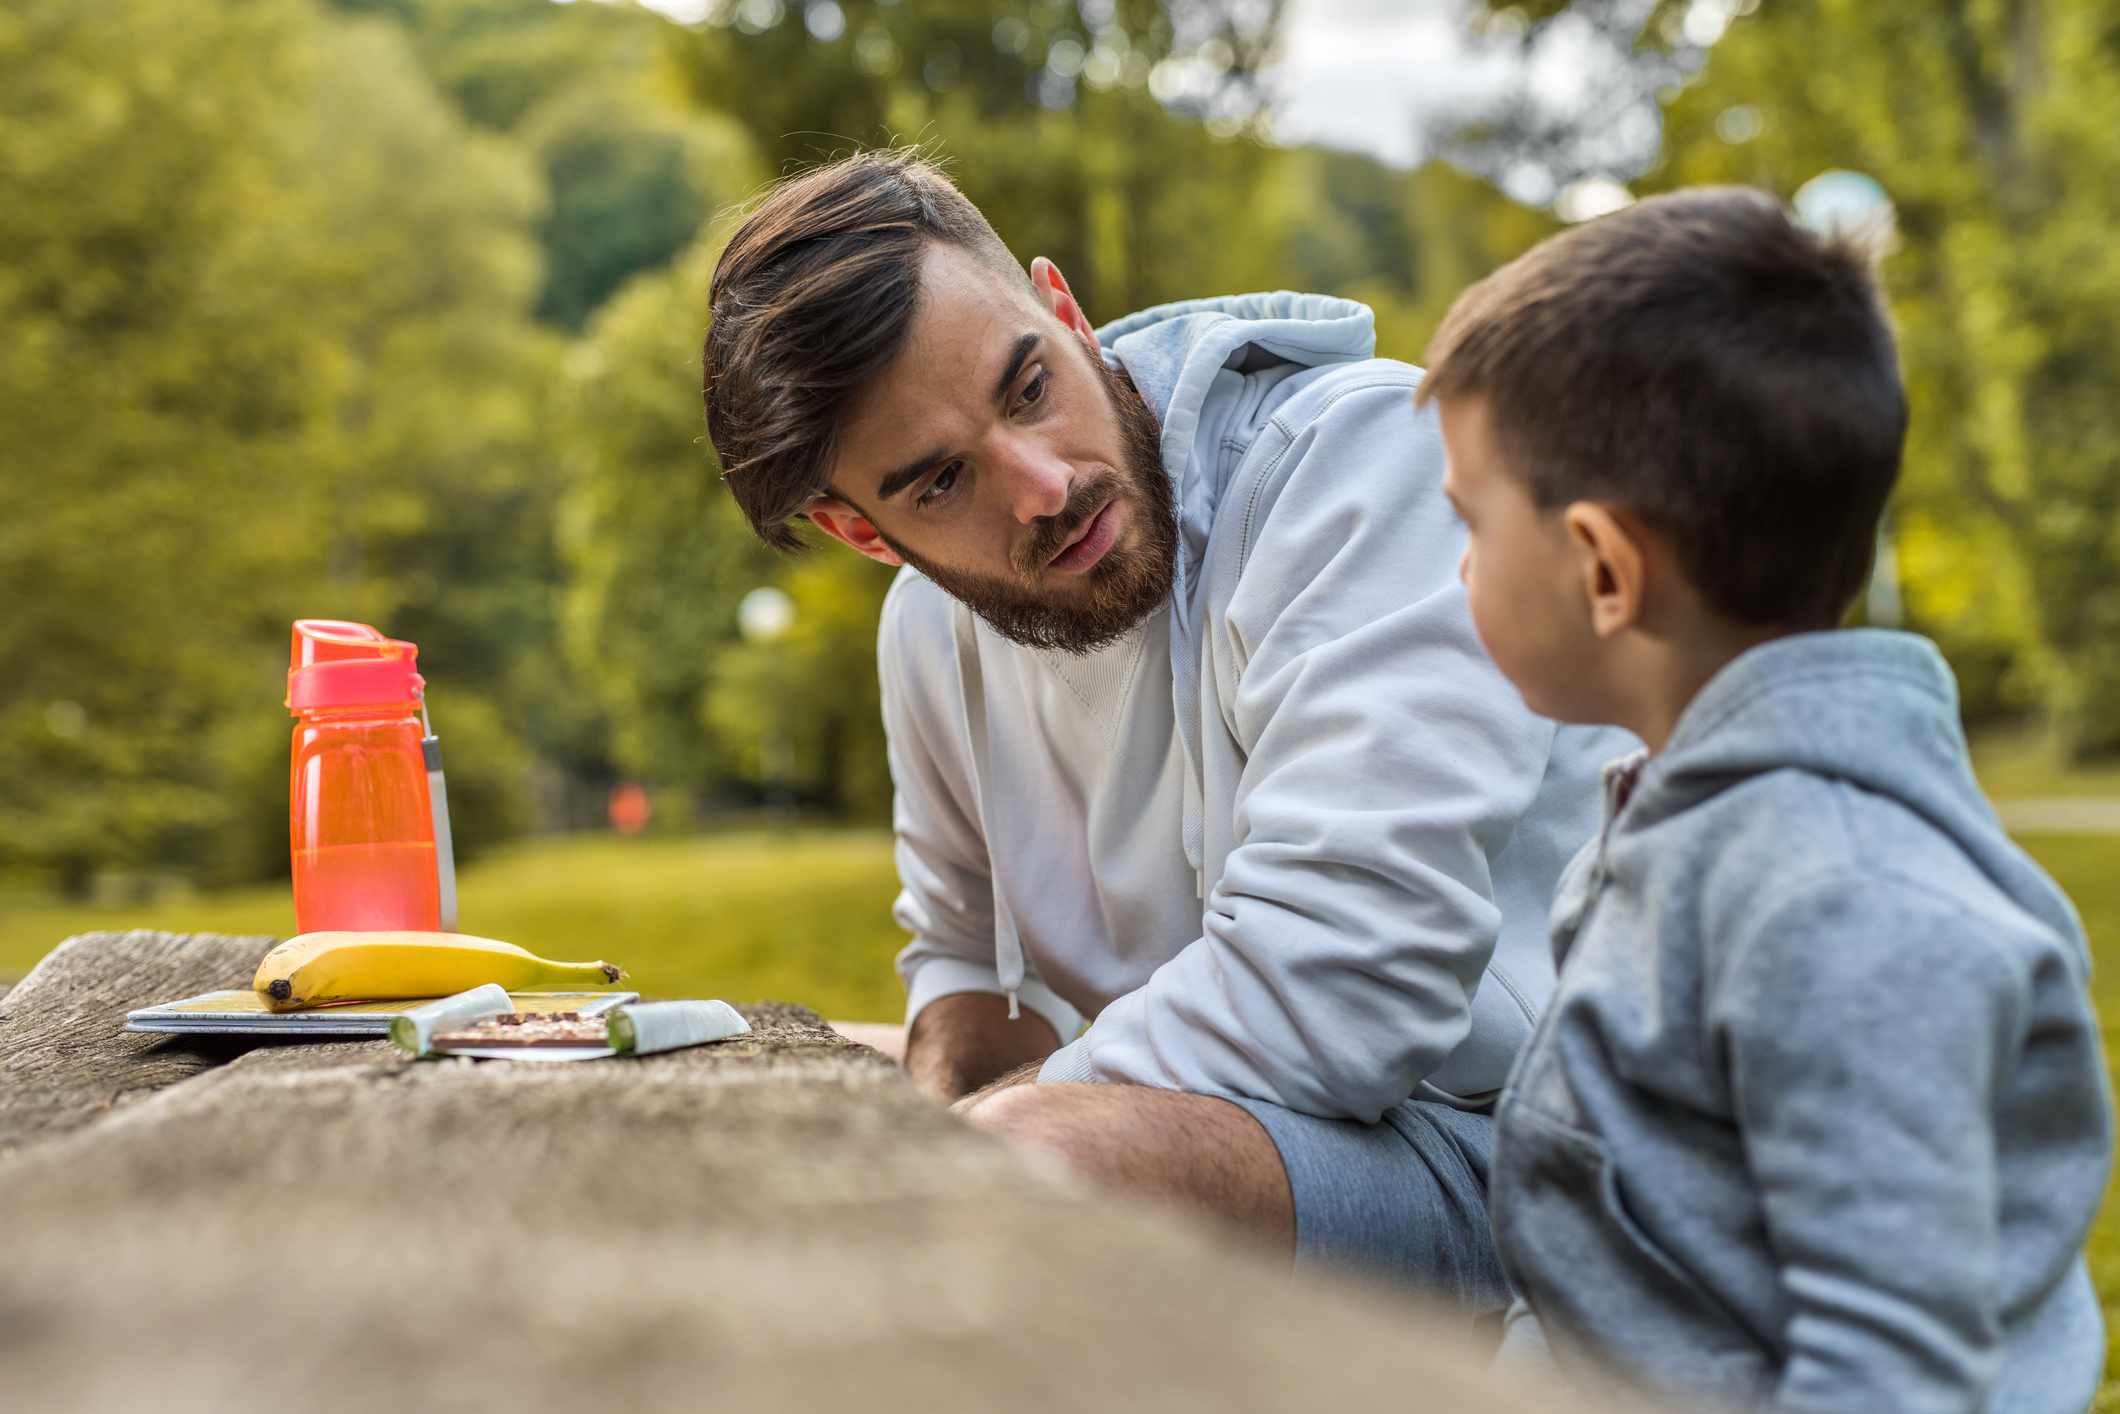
[[515, 1031]]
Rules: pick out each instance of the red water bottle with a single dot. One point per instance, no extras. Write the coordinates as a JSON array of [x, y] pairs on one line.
[[361, 820]]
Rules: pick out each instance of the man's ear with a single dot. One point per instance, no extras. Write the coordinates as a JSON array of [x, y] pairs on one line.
[[1613, 564], [850, 528], [1053, 293]]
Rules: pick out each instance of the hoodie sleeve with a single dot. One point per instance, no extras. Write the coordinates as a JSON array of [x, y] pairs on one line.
[[946, 893], [1387, 763], [1866, 1025]]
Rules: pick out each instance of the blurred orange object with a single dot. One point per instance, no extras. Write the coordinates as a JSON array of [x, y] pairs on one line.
[[630, 809]]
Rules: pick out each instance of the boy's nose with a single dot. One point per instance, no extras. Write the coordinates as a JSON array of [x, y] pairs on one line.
[[1465, 566]]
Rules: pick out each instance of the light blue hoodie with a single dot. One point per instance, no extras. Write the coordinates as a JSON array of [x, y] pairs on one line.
[[1292, 840], [1817, 1118]]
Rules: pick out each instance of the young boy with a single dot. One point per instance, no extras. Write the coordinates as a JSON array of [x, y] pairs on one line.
[[1817, 1118]]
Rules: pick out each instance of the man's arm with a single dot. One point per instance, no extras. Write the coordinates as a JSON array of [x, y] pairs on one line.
[[962, 1042]]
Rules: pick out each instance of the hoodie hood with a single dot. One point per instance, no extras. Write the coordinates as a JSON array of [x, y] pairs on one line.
[[1177, 356], [1875, 708], [1175, 353]]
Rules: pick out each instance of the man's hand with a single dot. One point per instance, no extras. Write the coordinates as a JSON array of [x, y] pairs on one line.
[[959, 1043]]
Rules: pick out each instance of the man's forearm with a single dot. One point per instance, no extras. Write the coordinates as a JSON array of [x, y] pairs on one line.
[[960, 1042]]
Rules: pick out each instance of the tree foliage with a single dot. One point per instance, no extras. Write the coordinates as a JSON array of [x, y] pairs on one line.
[[391, 309], [255, 371], [1992, 127]]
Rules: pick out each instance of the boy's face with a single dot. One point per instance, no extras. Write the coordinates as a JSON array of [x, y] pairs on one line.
[[1522, 573]]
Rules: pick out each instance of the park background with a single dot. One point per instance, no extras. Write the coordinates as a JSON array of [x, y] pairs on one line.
[[390, 310]]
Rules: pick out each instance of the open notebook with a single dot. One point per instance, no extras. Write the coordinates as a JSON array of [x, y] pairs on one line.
[[244, 1013]]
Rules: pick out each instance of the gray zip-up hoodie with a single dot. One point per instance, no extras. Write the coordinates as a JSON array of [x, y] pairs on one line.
[[1817, 1118]]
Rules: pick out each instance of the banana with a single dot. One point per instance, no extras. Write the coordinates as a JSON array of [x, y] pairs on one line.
[[316, 968]]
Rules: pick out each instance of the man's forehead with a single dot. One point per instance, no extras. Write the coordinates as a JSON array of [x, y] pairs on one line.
[[965, 330], [967, 309]]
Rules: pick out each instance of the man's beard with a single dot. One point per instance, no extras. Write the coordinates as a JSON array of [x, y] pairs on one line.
[[1120, 590]]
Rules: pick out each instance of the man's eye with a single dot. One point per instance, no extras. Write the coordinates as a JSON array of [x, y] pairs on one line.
[[945, 481], [1033, 390]]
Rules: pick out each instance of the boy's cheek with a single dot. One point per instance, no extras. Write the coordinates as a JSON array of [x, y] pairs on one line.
[[1491, 623]]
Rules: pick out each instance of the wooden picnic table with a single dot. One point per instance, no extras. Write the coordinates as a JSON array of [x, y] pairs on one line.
[[778, 1222]]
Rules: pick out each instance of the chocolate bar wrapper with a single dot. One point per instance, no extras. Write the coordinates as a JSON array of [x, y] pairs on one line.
[[643, 1028], [415, 1030]]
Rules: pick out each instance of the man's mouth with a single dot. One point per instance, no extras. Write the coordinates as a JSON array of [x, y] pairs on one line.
[[1089, 544]]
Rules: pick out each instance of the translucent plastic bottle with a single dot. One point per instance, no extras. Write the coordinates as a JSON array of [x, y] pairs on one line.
[[361, 824]]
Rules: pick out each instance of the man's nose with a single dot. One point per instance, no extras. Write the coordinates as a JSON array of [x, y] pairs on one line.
[[1038, 482], [1465, 566]]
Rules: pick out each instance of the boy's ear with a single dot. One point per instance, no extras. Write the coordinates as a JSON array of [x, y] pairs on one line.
[[1613, 563], [1052, 291], [850, 528]]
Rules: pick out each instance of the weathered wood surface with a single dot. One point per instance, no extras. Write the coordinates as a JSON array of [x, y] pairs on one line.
[[63, 1059], [779, 1222]]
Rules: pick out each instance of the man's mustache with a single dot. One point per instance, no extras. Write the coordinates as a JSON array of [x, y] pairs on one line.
[[1056, 530]]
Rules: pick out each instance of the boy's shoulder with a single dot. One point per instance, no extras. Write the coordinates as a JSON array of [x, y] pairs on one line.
[[1821, 875], [1819, 785]]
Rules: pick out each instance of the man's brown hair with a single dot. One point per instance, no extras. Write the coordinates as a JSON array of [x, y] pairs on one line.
[[1701, 361], [812, 298]]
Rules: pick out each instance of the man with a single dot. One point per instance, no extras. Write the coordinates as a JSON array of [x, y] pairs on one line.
[[1189, 727]]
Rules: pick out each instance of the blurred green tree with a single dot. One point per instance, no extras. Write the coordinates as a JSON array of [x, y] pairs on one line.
[[1992, 128], [497, 60], [804, 709], [256, 371], [657, 554], [1077, 146], [390, 309], [659, 558], [630, 181]]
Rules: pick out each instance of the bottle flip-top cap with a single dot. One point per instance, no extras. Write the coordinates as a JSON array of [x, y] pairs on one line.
[[334, 663]]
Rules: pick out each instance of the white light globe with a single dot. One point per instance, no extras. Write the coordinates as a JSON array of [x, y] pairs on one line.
[[764, 614], [1843, 203]]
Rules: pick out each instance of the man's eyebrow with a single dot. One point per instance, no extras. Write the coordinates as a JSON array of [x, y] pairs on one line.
[[913, 470], [1018, 352], [906, 475]]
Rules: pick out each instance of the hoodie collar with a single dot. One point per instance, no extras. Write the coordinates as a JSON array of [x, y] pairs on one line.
[[1788, 669], [1874, 707], [1175, 354], [1158, 346]]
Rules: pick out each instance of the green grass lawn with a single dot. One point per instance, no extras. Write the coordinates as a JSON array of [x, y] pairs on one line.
[[803, 915], [2085, 866], [2020, 764]]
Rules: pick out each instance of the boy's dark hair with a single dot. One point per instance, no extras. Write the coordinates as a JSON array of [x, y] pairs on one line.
[[811, 299], [1704, 362]]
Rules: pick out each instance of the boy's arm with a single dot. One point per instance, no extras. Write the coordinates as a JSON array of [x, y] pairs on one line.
[[1867, 1026]]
